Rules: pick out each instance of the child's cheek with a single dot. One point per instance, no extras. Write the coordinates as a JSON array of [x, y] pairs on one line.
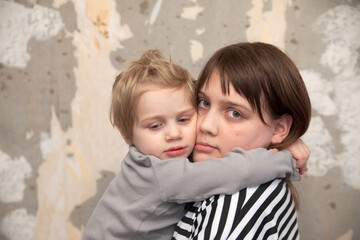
[[193, 129], [195, 123]]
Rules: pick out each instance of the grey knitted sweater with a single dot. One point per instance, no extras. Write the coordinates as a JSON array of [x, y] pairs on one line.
[[147, 197]]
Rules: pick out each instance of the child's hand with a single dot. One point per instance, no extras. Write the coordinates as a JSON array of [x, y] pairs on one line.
[[301, 153]]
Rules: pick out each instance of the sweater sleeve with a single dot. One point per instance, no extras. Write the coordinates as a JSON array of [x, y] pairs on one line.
[[182, 181]]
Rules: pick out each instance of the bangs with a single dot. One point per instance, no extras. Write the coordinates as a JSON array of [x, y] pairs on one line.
[[235, 67]]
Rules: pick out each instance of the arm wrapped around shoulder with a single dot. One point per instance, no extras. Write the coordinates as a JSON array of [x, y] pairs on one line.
[[182, 181]]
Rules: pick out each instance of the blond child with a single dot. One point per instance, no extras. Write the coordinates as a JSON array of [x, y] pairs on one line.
[[155, 109]]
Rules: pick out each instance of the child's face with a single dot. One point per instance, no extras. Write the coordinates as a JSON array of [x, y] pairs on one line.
[[227, 121], [166, 123]]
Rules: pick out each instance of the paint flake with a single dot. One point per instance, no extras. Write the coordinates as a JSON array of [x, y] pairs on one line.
[[196, 50], [12, 176], [191, 13], [200, 31], [155, 12], [29, 134], [18, 24], [319, 140], [18, 225], [320, 90], [267, 26], [340, 27], [45, 144]]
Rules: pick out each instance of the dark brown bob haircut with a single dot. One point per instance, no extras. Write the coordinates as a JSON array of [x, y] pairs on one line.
[[267, 78]]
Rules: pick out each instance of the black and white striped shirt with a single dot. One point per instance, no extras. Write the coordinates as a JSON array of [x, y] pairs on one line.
[[266, 211]]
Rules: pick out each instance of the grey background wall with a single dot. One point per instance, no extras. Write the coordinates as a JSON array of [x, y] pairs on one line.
[[58, 60]]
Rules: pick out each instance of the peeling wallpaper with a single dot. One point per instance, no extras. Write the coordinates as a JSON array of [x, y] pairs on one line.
[[58, 60], [13, 174], [338, 96], [38, 22], [267, 25]]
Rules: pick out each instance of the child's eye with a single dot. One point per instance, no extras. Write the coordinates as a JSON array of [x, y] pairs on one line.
[[183, 120], [155, 126], [203, 103], [234, 114]]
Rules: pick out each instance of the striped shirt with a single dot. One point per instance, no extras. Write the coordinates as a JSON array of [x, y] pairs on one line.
[[266, 211]]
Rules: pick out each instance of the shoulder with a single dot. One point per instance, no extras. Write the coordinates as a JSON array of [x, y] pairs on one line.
[[249, 195], [266, 188], [135, 156], [253, 210], [245, 198], [264, 194]]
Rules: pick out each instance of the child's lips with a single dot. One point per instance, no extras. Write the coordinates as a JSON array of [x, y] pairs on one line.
[[204, 147], [175, 151]]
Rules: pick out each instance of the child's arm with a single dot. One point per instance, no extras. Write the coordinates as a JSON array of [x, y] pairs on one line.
[[182, 181]]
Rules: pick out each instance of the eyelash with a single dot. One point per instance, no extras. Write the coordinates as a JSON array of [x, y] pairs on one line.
[[201, 103], [182, 120], [239, 115], [155, 126]]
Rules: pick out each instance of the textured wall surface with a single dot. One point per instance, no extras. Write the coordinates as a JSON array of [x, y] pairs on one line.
[[58, 60]]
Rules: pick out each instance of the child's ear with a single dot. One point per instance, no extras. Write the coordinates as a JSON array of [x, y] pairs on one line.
[[282, 128]]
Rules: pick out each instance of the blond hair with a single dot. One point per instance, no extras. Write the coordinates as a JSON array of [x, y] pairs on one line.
[[151, 70]]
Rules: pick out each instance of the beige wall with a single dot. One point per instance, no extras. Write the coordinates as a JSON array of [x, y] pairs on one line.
[[58, 60]]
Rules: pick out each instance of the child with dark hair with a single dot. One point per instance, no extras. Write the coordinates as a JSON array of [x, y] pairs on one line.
[[250, 95]]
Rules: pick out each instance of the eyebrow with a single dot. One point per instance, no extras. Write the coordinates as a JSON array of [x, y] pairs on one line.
[[186, 111], [236, 105]]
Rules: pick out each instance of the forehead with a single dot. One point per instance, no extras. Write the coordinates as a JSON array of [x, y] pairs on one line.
[[146, 87], [224, 83], [212, 89], [163, 102]]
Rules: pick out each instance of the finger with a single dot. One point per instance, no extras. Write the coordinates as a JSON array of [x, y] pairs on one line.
[[301, 162], [303, 170]]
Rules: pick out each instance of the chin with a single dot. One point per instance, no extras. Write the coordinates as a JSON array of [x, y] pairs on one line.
[[198, 157]]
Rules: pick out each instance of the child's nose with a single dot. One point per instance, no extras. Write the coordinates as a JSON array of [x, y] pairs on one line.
[[173, 133]]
